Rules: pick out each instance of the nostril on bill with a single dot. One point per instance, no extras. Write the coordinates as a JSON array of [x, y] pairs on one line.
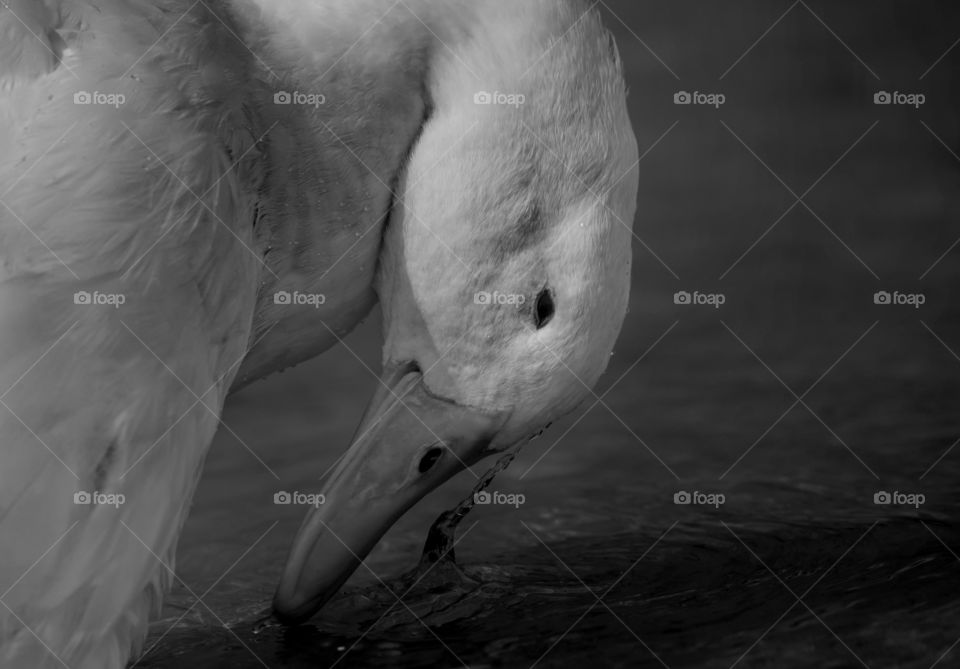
[[429, 459]]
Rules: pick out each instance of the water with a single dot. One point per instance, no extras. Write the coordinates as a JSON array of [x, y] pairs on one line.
[[705, 410]]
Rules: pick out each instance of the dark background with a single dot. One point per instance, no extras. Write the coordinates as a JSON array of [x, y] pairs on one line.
[[799, 568]]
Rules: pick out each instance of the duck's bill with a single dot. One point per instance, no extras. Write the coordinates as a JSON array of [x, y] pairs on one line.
[[408, 443]]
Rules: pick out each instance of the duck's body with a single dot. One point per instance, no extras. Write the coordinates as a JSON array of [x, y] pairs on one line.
[[198, 200]]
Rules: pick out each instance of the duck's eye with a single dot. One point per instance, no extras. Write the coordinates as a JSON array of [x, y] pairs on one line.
[[544, 308], [429, 459]]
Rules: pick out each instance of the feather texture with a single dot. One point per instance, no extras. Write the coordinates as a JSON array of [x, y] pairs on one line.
[[137, 200], [155, 196]]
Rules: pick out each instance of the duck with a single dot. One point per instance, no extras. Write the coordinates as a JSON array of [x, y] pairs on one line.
[[196, 195]]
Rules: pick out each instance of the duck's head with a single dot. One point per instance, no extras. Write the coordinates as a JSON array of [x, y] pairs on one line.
[[504, 280]]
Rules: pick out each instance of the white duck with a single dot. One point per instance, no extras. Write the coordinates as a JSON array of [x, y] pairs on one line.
[[144, 159]]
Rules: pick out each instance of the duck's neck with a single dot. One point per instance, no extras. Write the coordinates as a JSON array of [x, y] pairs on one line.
[[361, 79], [352, 101]]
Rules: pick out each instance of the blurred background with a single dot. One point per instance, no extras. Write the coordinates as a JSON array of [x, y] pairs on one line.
[[798, 399]]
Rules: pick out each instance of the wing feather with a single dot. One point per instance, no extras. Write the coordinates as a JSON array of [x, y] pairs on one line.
[[139, 200]]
